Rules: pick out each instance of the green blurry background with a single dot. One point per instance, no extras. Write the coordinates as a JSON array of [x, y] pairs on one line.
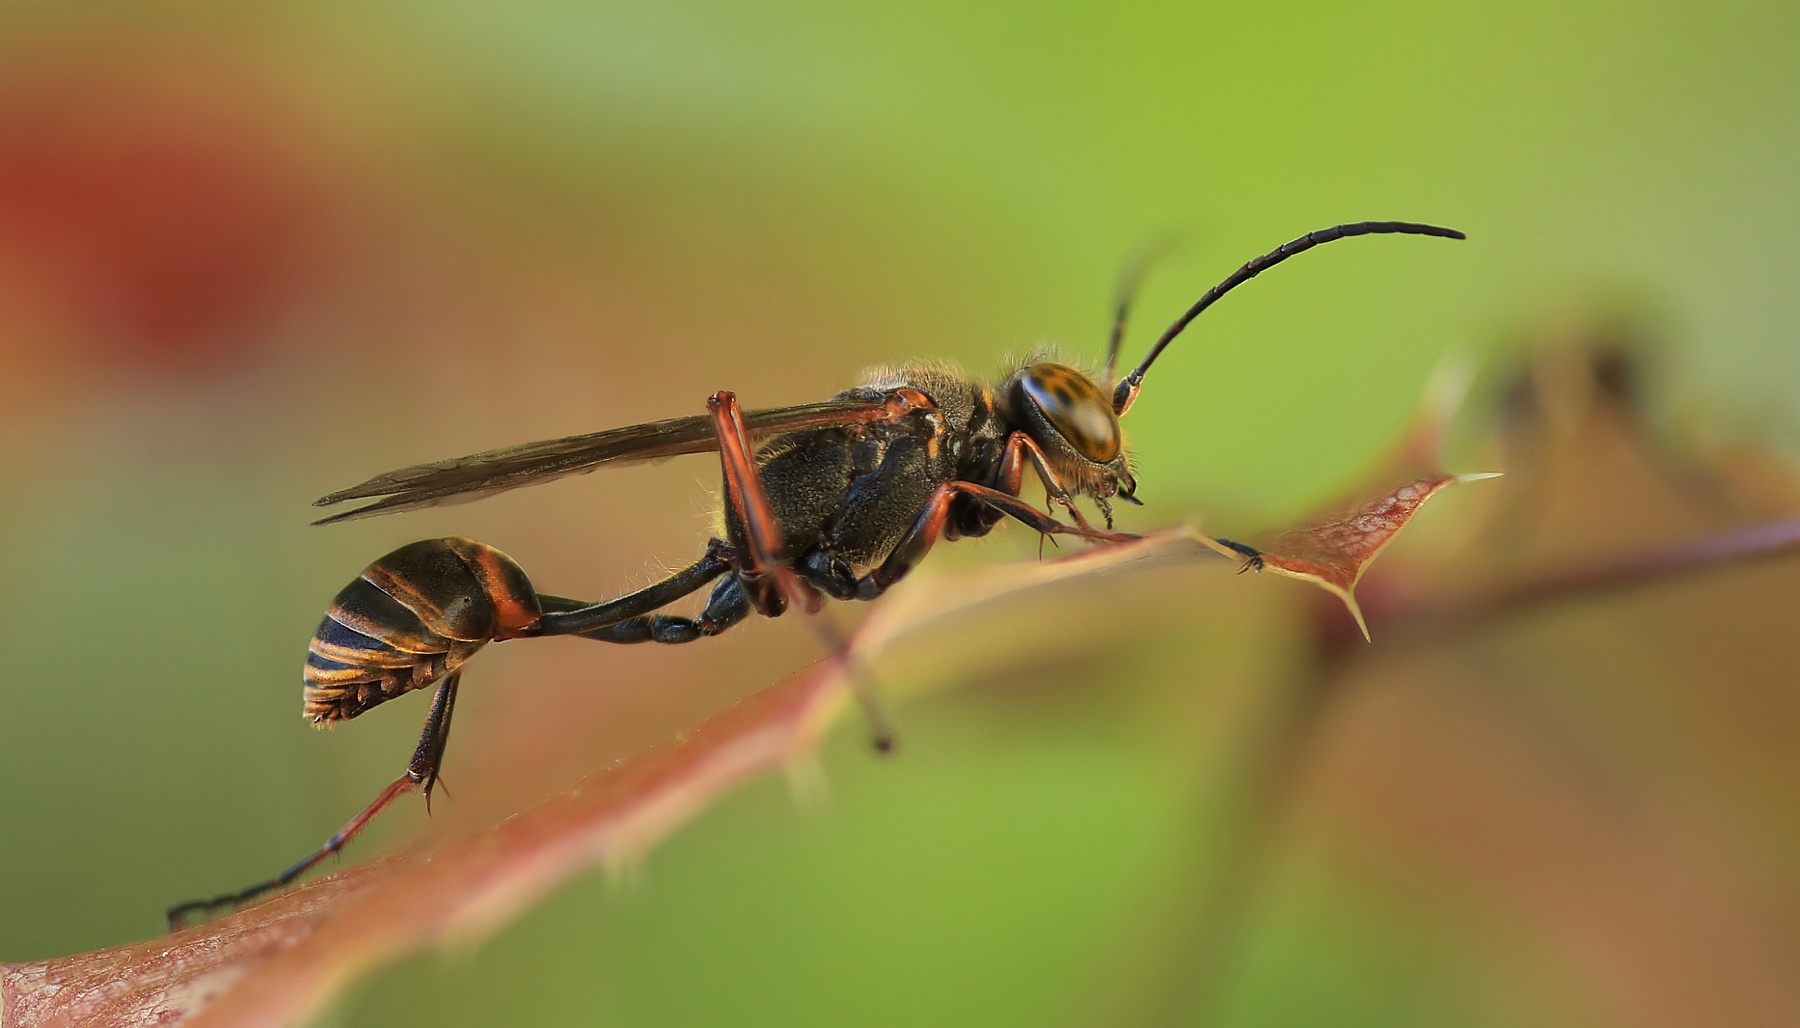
[[252, 252]]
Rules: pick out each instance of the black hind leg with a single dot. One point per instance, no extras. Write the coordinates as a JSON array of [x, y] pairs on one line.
[[421, 773], [727, 605], [564, 616]]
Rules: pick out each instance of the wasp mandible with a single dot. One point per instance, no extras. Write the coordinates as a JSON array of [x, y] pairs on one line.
[[831, 500]]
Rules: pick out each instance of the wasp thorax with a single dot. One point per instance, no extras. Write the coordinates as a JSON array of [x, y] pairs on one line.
[[1075, 407]]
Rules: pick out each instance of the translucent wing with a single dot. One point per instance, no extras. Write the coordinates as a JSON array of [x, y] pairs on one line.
[[469, 478]]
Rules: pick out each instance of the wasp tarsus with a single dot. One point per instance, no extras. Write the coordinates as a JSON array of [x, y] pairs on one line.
[[1253, 558]]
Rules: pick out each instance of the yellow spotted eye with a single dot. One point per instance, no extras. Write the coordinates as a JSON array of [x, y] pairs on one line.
[[1074, 406]]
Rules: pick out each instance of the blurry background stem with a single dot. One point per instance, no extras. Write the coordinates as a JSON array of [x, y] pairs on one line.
[[1212, 913]]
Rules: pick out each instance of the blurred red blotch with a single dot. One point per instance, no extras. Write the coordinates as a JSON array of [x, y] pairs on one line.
[[162, 213]]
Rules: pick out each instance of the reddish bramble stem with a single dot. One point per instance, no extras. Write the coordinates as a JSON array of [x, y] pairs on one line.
[[1773, 539]]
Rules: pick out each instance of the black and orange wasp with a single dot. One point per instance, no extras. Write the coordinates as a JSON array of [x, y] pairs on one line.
[[831, 500]]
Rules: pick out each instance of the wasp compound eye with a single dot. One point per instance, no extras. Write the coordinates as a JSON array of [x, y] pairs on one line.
[[1076, 408]]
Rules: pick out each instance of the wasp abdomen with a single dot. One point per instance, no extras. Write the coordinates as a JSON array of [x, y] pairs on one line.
[[411, 618]]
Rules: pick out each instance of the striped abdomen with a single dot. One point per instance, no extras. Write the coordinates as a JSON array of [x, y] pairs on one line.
[[413, 617]]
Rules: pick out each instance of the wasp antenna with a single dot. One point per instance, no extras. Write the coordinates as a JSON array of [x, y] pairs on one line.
[[1131, 279], [1127, 390]]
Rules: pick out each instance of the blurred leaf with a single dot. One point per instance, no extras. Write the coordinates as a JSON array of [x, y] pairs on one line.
[[1333, 548], [1333, 551]]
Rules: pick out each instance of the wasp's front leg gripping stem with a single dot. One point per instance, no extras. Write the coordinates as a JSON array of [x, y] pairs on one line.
[[1021, 447], [925, 531]]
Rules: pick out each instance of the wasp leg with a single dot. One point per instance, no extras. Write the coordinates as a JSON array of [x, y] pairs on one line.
[[563, 616], [428, 756], [831, 574], [421, 773], [773, 594], [1019, 448], [930, 525], [770, 585], [1253, 558], [727, 605]]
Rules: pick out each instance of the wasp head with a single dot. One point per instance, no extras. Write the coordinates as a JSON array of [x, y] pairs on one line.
[[1072, 420]]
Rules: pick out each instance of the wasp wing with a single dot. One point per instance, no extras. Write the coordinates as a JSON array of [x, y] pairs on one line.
[[462, 479]]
